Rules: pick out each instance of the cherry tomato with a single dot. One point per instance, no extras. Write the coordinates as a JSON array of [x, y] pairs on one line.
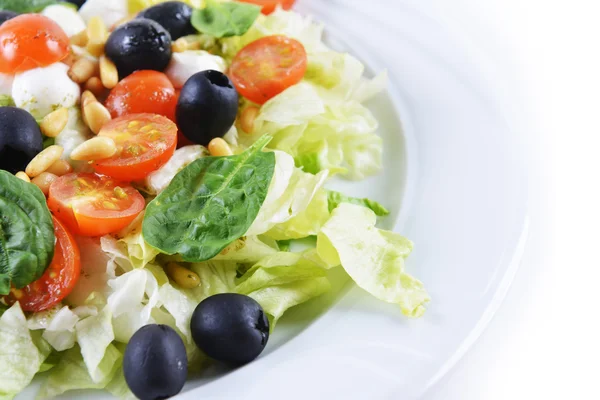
[[268, 6], [145, 142], [143, 92], [30, 41], [93, 205], [268, 66], [59, 279]]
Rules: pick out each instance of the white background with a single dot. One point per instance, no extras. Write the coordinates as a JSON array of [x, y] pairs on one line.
[[544, 342]]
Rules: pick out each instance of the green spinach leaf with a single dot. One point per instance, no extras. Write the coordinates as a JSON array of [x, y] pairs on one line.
[[25, 6], [225, 19], [209, 204], [26, 233], [336, 198]]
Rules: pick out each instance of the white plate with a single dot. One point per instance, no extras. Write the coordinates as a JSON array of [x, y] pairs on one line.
[[456, 186]]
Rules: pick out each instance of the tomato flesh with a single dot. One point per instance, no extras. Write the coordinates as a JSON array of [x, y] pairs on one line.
[[268, 66], [268, 6], [93, 205], [145, 142], [143, 92], [30, 41], [58, 280]]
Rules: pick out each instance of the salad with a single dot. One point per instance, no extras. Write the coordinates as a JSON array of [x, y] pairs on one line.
[[163, 188]]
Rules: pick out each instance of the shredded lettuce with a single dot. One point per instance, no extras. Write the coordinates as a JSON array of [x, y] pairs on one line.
[[373, 258], [20, 358]]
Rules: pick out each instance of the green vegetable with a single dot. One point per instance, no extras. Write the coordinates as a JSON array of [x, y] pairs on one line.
[[6, 100], [20, 356], [373, 258], [25, 6], [26, 233], [225, 19], [336, 198], [209, 204]]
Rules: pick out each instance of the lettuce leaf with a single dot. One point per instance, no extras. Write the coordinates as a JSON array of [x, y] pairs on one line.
[[336, 198], [373, 258], [71, 373], [20, 358], [94, 335]]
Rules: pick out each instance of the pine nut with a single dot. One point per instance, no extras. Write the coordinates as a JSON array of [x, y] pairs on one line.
[[55, 122], [97, 35], [70, 59], [82, 70], [79, 39], [87, 97], [182, 276], [219, 147], [95, 116], [248, 117], [60, 168], [108, 73], [43, 181], [94, 85], [179, 46], [22, 176], [43, 160], [97, 148]]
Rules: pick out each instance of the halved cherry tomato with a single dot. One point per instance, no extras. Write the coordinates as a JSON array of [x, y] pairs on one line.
[[143, 92], [145, 142], [59, 279], [268, 6], [29, 41], [93, 205], [268, 66]]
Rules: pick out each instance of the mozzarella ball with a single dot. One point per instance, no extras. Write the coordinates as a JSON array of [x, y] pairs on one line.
[[66, 17], [43, 90], [6, 83], [111, 11], [184, 65]]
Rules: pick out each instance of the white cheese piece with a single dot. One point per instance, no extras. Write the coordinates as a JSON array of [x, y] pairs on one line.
[[43, 90], [111, 11], [185, 64], [158, 180], [66, 17]]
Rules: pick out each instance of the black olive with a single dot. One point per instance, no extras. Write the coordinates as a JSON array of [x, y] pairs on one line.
[[78, 3], [174, 16], [20, 139], [139, 44], [230, 327], [155, 363], [5, 15], [207, 106]]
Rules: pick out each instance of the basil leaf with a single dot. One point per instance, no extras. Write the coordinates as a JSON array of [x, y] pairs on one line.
[[225, 19], [26, 233], [25, 6], [209, 204], [336, 198], [6, 100]]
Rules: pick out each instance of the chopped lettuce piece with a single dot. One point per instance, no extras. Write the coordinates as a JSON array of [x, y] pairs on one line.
[[336, 198], [373, 258], [94, 335], [58, 324], [20, 358], [71, 373]]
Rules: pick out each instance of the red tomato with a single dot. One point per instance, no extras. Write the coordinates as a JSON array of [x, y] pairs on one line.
[[145, 142], [143, 92], [268, 6], [29, 41], [92, 205], [59, 279], [268, 66]]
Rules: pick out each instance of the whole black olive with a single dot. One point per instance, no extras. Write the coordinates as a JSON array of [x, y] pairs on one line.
[[78, 3], [155, 363], [20, 139], [174, 16], [230, 327], [5, 15], [207, 106], [139, 44]]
